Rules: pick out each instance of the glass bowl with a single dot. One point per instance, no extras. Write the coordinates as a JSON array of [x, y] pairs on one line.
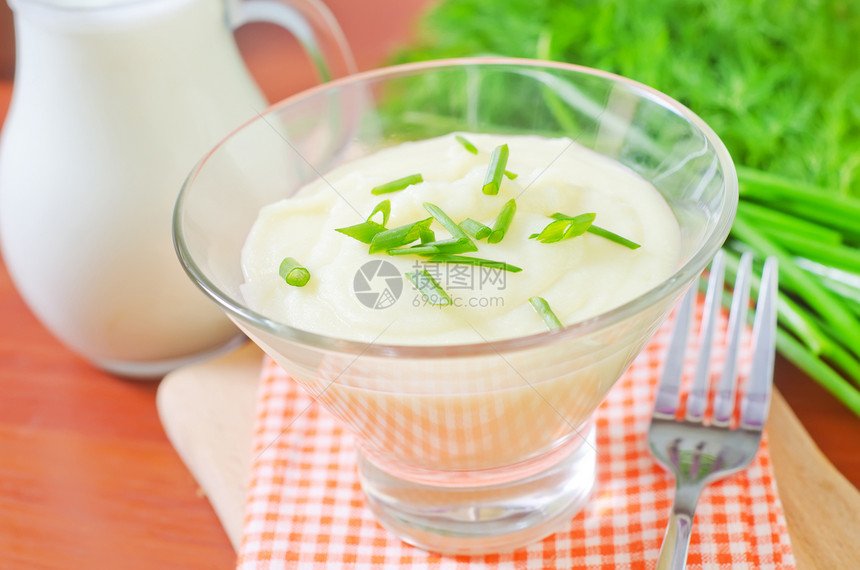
[[479, 447]]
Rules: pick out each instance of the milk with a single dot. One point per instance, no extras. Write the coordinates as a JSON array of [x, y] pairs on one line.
[[111, 109]]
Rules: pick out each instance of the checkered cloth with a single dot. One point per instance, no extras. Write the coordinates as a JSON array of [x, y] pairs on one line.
[[305, 508]]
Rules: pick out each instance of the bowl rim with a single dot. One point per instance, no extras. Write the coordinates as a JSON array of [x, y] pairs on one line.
[[683, 275]]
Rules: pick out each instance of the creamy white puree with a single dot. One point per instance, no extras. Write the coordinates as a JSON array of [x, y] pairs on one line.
[[579, 277]]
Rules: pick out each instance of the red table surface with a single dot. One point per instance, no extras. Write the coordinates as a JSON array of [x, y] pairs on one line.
[[88, 478]]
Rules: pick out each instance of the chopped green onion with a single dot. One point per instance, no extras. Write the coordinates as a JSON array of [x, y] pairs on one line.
[[461, 245], [447, 246], [399, 236], [498, 160], [363, 232], [564, 228], [426, 234], [474, 150], [553, 232], [475, 228], [602, 232], [443, 218], [397, 185], [366, 231], [579, 225], [385, 208], [465, 260], [542, 308], [429, 288], [466, 144], [611, 236], [293, 273], [503, 221]]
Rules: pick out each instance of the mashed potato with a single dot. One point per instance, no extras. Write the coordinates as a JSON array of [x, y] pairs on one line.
[[580, 277]]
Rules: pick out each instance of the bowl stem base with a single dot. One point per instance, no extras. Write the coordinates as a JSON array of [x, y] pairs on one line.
[[469, 519]]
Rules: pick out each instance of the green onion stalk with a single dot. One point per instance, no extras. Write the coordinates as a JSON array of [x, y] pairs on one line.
[[815, 235]]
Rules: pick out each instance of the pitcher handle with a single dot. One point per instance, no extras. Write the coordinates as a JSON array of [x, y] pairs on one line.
[[313, 25]]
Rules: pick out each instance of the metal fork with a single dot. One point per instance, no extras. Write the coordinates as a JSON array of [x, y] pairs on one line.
[[696, 452]]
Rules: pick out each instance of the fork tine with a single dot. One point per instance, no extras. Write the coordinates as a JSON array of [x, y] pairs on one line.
[[724, 401], [669, 388], [697, 400], [695, 453], [756, 401]]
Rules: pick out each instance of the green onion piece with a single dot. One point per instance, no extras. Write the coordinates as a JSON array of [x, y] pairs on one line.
[[611, 236], [385, 208], [475, 228], [363, 232], [453, 245], [293, 273], [579, 225], [398, 237], [429, 288], [493, 180], [553, 232], [397, 185], [465, 260], [510, 175], [466, 144], [602, 232], [443, 218], [447, 246], [503, 221], [542, 308], [426, 234], [414, 250], [564, 228]]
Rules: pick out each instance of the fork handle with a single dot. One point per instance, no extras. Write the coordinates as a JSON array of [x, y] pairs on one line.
[[673, 553]]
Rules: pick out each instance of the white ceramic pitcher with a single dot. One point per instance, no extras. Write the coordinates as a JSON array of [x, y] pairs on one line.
[[113, 103]]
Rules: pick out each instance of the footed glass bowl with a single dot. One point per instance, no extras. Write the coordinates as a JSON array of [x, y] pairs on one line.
[[480, 447]]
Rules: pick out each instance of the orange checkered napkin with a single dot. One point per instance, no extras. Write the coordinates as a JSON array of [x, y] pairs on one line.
[[305, 508]]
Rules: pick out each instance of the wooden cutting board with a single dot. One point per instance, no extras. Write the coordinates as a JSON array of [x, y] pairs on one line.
[[208, 413]]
